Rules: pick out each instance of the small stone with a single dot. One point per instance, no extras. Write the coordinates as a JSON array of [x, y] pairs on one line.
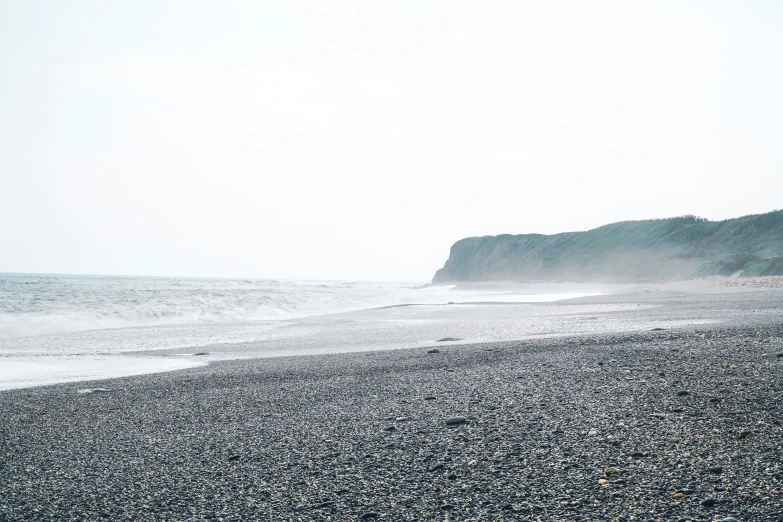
[[93, 390], [437, 467], [611, 472], [429, 398], [433, 350], [452, 477], [707, 502], [592, 433], [233, 458], [683, 393], [637, 455], [715, 469], [447, 507], [389, 428], [657, 329], [678, 495], [455, 421], [402, 419], [324, 504], [603, 482], [449, 339], [729, 519], [369, 515]]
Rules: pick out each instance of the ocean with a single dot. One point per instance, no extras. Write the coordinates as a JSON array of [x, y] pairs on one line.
[[59, 328]]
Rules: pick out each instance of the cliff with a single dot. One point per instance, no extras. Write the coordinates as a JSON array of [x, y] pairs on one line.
[[630, 251]]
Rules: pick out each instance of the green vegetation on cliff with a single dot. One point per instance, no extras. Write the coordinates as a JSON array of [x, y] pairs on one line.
[[653, 250]]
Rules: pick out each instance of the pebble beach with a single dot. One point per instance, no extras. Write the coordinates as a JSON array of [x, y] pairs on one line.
[[661, 425]]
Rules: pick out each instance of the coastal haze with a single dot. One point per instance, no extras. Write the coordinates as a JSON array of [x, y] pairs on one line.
[[336, 260]]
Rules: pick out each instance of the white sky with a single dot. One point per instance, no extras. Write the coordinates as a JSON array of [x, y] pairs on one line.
[[359, 140]]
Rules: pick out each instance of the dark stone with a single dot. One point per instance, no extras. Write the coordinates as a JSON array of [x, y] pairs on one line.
[[433, 350], [429, 398], [233, 458], [452, 477], [455, 421], [744, 434], [447, 507], [637, 454], [324, 504], [437, 467], [715, 469], [657, 329], [707, 502], [389, 428], [199, 354], [683, 393], [369, 515]]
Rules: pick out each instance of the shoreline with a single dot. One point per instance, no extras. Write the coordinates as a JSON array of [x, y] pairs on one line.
[[373, 329], [341, 436]]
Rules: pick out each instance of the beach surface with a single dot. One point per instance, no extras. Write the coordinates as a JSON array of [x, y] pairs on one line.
[[679, 423]]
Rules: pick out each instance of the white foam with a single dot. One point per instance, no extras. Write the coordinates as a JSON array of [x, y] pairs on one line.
[[61, 304], [76, 328], [22, 372]]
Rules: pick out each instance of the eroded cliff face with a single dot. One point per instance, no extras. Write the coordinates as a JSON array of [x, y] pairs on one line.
[[631, 251]]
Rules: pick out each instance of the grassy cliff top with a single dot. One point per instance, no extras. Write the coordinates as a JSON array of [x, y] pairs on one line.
[[650, 250]]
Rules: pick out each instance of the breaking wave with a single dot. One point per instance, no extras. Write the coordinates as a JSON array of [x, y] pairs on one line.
[[40, 305], [32, 305]]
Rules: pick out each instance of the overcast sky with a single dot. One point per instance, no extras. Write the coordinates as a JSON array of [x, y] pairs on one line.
[[359, 140]]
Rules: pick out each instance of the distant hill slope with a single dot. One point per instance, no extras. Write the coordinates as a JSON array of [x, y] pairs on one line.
[[629, 251]]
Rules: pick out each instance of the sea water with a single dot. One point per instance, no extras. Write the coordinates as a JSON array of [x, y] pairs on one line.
[[59, 328]]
